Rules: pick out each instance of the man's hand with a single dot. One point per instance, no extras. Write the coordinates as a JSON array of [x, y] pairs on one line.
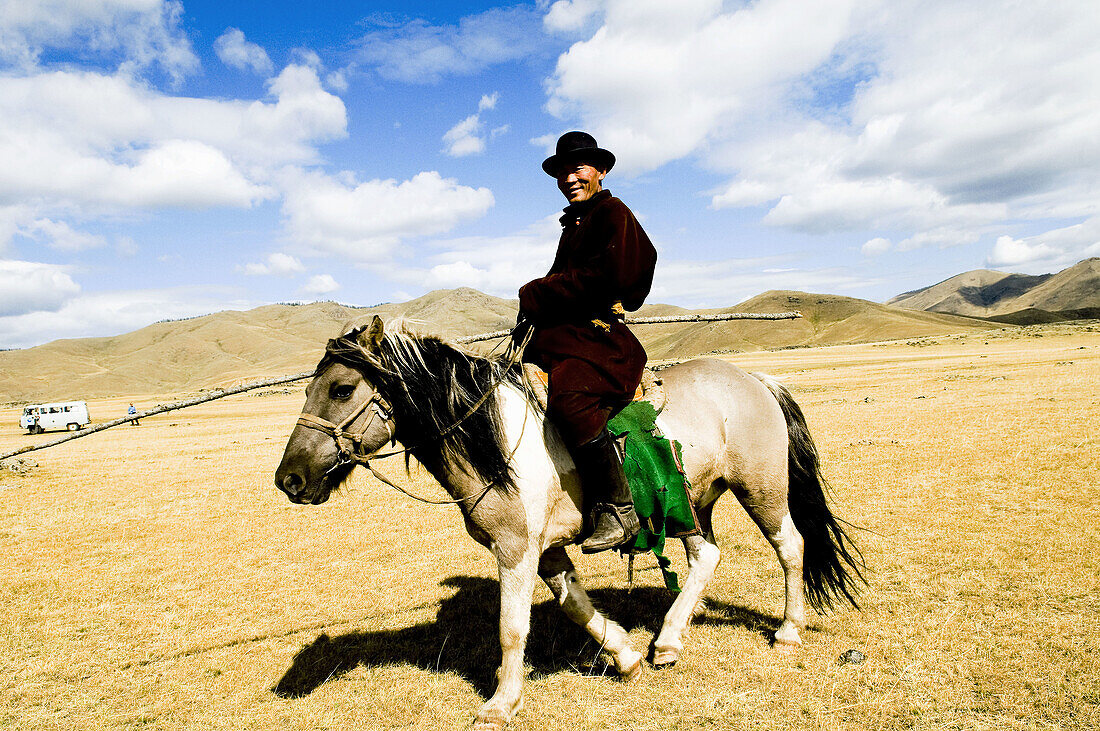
[[524, 324]]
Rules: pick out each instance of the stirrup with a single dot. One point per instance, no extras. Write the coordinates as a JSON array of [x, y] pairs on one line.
[[616, 531]]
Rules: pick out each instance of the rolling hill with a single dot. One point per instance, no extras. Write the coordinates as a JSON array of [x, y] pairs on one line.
[[232, 347], [984, 293]]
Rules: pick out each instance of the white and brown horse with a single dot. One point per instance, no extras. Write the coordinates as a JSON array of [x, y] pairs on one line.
[[510, 474]]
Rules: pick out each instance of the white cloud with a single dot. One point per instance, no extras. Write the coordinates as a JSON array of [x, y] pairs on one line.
[[943, 236], [876, 246], [82, 145], [184, 173], [464, 138], [308, 57], [145, 32], [419, 52], [822, 200], [488, 101], [673, 76], [365, 220], [1014, 252], [925, 123], [320, 284], [337, 80], [499, 265], [73, 139], [570, 16], [725, 282], [984, 112], [1055, 249], [236, 52], [27, 286], [20, 220], [59, 235], [496, 265], [276, 263], [108, 313], [12, 219]]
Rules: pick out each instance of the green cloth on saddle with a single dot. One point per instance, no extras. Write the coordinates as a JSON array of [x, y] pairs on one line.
[[657, 482]]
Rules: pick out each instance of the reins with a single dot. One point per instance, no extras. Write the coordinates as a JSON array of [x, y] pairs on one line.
[[350, 443]]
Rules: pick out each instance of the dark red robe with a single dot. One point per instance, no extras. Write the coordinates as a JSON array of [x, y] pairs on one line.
[[603, 257]]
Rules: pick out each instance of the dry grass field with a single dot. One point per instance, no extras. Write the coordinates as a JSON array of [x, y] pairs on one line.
[[153, 577]]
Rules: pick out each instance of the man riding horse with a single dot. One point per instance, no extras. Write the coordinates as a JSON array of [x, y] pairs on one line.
[[603, 266]]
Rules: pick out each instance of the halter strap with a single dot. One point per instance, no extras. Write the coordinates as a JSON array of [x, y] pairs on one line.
[[351, 455], [339, 431]]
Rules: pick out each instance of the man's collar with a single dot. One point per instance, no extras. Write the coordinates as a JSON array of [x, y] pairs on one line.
[[577, 211]]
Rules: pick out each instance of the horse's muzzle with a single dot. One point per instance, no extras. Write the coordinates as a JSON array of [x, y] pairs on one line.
[[302, 490], [293, 485], [295, 488]]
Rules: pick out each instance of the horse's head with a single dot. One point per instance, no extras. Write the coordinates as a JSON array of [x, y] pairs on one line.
[[344, 416]]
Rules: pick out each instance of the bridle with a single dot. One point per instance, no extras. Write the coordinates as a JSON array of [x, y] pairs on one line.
[[350, 443]]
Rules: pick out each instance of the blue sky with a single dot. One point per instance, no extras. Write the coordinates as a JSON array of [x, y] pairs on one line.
[[165, 159]]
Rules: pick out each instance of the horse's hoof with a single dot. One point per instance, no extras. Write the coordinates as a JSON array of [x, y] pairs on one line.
[[488, 726], [494, 718], [787, 638], [665, 658], [632, 673], [786, 647], [490, 722]]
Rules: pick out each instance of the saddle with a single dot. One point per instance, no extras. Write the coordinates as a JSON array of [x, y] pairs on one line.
[[650, 389], [653, 466]]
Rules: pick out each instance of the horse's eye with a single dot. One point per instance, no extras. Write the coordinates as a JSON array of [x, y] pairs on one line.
[[341, 391]]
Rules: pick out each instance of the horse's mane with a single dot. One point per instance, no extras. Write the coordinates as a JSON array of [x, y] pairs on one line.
[[431, 384]]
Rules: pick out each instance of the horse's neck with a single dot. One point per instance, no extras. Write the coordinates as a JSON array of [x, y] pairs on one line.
[[508, 521]]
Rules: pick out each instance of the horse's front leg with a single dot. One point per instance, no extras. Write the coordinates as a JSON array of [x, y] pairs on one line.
[[517, 583], [703, 557], [556, 569]]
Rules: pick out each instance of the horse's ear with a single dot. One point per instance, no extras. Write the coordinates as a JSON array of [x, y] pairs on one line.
[[371, 336]]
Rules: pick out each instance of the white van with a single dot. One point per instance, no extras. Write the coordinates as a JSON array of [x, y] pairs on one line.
[[70, 415]]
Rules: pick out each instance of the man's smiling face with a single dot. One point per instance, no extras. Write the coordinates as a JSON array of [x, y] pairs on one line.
[[579, 181]]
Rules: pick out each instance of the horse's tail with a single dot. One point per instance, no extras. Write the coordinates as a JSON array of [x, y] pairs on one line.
[[832, 565]]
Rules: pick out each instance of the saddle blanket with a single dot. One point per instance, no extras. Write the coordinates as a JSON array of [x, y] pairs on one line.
[[654, 470]]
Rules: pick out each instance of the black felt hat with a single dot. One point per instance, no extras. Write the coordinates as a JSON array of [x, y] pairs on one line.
[[574, 147]]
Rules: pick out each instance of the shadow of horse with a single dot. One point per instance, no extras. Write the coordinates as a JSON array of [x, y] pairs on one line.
[[463, 637]]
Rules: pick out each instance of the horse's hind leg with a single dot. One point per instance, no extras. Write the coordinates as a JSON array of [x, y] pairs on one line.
[[703, 557], [788, 544], [556, 569]]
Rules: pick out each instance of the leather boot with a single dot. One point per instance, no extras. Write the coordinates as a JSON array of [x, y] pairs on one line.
[[604, 484]]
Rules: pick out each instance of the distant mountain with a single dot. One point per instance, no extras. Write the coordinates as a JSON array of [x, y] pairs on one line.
[[233, 347], [984, 293], [1035, 316], [224, 347], [826, 320]]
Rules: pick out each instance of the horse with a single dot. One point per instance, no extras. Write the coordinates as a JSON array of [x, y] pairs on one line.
[[473, 424]]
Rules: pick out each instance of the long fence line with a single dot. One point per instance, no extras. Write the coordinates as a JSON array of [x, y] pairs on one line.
[[234, 390], [161, 409], [662, 320]]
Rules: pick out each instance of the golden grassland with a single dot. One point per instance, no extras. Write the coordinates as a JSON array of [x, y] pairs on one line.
[[152, 577]]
